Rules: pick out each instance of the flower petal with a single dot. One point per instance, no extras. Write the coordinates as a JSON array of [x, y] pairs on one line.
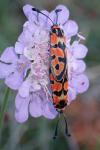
[[21, 113], [35, 106], [9, 55], [42, 18], [52, 16], [19, 47], [63, 15], [49, 110], [25, 38], [78, 66], [79, 50], [24, 89], [80, 83], [14, 80], [36, 86], [30, 27], [29, 13], [71, 94], [70, 28], [6, 70]]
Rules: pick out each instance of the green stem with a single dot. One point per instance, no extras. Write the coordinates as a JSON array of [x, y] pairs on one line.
[[3, 107]]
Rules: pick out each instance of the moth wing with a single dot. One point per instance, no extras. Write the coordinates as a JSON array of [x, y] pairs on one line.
[[58, 63]]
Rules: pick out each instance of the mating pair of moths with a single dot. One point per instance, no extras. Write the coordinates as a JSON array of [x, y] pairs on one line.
[[58, 72]]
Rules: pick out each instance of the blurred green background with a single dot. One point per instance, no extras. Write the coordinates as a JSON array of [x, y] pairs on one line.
[[84, 113]]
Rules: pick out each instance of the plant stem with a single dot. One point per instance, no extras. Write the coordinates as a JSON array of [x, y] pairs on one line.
[[3, 107]]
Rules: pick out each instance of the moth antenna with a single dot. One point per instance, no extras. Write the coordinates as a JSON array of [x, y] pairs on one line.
[[57, 11], [37, 10], [66, 127], [56, 129]]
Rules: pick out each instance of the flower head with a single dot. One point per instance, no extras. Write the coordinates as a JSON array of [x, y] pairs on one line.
[[25, 67]]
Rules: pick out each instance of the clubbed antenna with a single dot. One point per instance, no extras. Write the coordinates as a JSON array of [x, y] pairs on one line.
[[37, 10], [66, 126], [57, 11]]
